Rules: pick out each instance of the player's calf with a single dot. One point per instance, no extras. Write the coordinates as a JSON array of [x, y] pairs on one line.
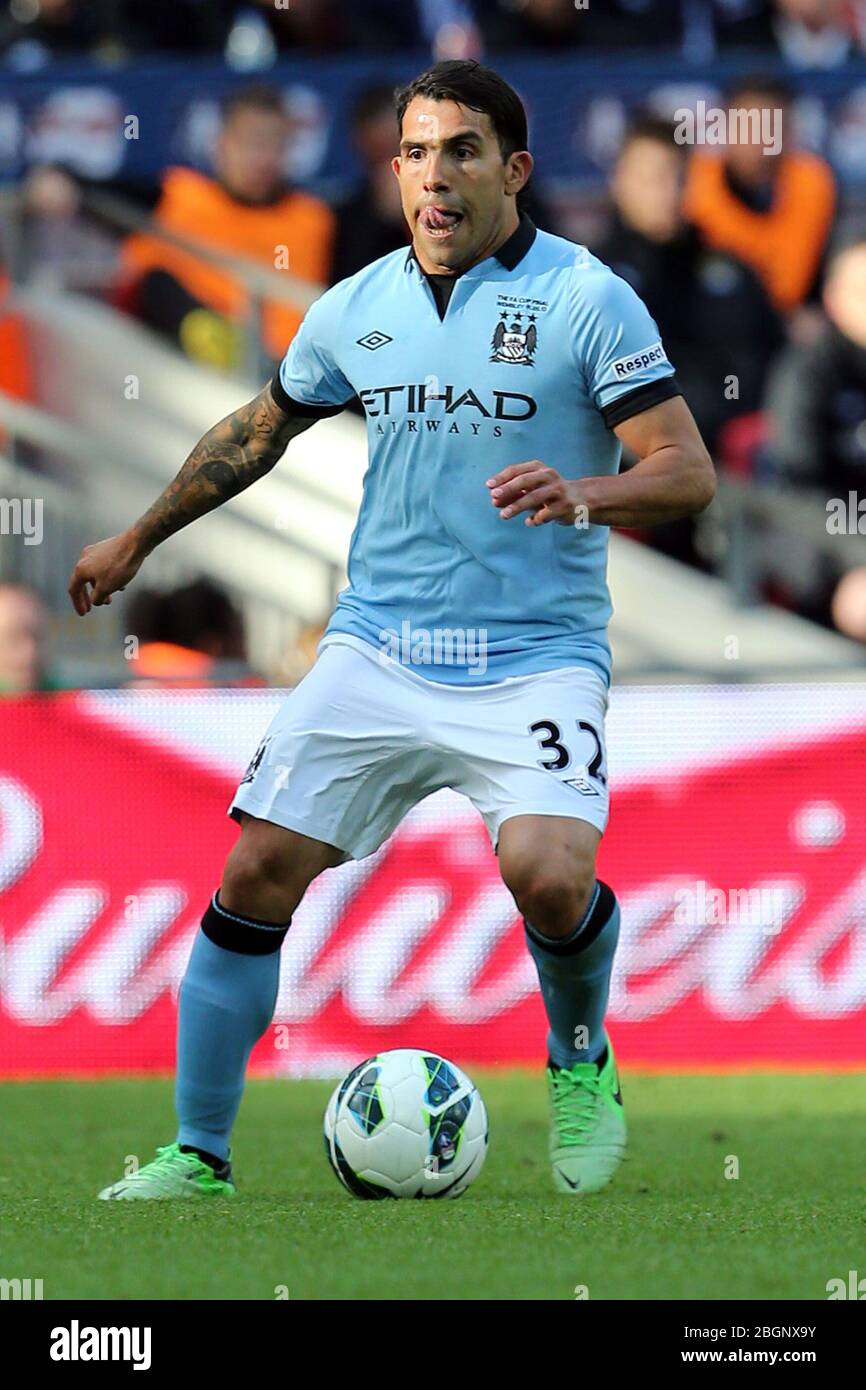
[[226, 1002]]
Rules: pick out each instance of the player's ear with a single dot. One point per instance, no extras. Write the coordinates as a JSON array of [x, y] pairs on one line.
[[520, 165]]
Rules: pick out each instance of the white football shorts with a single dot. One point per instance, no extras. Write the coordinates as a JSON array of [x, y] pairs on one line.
[[362, 739]]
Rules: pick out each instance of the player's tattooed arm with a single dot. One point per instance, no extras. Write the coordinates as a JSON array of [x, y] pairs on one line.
[[673, 478], [235, 453]]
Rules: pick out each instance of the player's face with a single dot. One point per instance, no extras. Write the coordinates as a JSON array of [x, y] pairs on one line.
[[457, 191], [250, 153]]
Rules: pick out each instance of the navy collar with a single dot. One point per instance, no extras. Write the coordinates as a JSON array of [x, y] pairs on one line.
[[510, 253]]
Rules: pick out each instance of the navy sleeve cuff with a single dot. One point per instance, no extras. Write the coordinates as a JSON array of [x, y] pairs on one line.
[[290, 406], [641, 398]]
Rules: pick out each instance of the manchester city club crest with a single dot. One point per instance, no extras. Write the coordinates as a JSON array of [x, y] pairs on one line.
[[255, 761], [515, 339]]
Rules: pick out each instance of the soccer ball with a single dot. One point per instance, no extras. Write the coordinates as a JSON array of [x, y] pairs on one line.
[[406, 1123]]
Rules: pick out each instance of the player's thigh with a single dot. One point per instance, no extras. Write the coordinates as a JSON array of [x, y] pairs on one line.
[[270, 868], [548, 865], [344, 758]]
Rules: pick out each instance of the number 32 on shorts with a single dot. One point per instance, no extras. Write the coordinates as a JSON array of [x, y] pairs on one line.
[[550, 739]]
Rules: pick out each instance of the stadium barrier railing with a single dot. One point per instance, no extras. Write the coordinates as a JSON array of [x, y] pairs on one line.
[[260, 283]]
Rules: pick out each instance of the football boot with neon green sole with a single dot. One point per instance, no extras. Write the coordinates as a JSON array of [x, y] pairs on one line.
[[171, 1174], [588, 1131]]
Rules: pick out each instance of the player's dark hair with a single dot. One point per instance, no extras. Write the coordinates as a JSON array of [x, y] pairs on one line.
[[760, 84], [256, 96], [479, 88]]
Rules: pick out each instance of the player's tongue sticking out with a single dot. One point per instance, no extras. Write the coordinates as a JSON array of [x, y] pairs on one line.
[[439, 219]]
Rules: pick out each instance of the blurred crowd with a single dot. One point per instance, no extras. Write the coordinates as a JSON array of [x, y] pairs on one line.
[[189, 636], [761, 303], [805, 32]]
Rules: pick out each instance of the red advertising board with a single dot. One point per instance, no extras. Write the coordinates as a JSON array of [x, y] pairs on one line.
[[737, 847]]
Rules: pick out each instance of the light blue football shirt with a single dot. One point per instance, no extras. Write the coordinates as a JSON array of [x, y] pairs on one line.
[[541, 351]]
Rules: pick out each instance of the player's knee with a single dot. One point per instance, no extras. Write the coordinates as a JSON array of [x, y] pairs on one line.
[[552, 904], [259, 882], [551, 896]]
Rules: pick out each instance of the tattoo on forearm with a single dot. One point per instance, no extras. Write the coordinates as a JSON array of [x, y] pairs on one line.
[[235, 453]]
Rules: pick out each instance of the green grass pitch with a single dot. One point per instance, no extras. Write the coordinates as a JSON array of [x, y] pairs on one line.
[[671, 1226]]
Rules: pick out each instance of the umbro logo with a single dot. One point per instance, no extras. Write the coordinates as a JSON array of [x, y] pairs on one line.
[[583, 784], [374, 340]]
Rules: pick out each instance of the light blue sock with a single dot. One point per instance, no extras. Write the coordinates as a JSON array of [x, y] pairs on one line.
[[574, 975], [226, 1002]]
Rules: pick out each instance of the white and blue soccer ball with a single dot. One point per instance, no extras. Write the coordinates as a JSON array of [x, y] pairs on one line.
[[406, 1123]]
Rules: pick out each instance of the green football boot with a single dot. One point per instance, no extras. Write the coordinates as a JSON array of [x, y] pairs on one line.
[[172, 1174], [587, 1133]]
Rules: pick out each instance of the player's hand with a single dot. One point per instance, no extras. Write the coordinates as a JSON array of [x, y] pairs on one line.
[[102, 570], [538, 490]]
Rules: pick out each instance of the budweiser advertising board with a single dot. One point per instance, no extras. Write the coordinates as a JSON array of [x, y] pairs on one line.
[[737, 847]]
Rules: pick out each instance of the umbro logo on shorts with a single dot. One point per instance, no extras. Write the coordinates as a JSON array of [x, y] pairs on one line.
[[374, 340], [581, 784]]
